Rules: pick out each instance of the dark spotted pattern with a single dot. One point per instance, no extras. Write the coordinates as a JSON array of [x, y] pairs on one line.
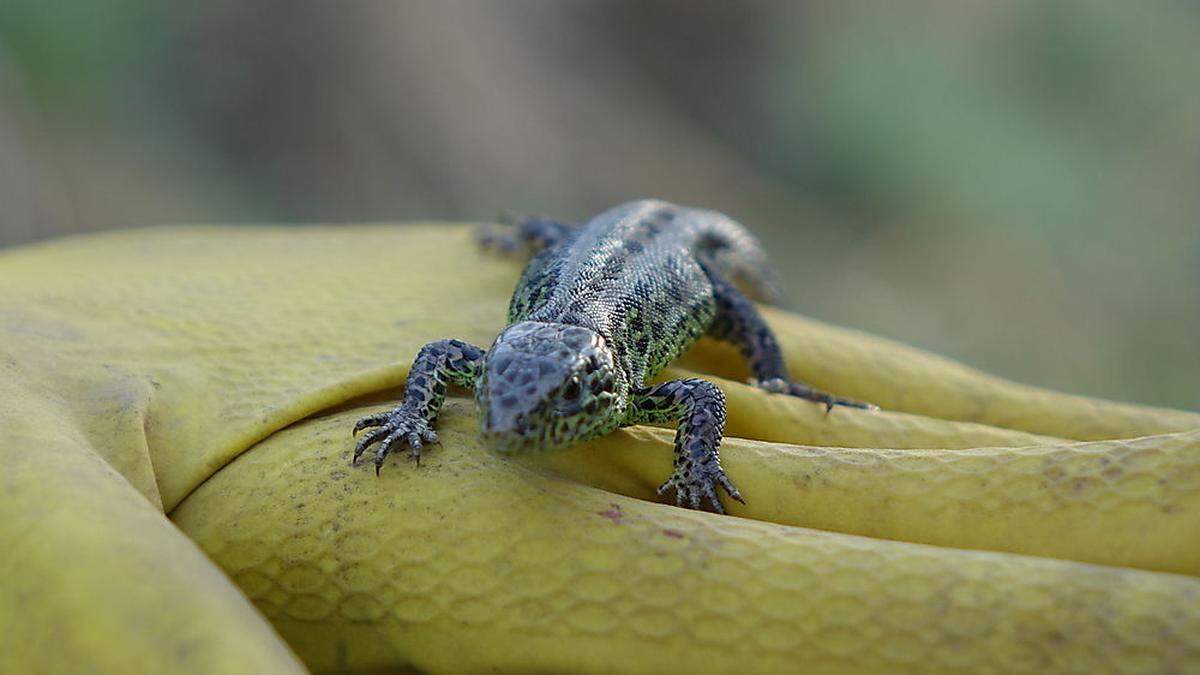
[[699, 406], [425, 390], [598, 311], [547, 385], [739, 322]]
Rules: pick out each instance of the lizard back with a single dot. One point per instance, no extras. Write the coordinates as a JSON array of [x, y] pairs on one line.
[[632, 274]]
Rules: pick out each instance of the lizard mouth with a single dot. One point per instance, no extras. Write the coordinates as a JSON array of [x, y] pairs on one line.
[[509, 441], [521, 437]]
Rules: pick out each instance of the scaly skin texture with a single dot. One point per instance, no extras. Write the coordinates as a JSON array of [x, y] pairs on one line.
[[599, 311], [438, 363]]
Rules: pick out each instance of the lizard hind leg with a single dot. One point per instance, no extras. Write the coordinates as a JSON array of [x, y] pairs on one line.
[[737, 321], [728, 248], [699, 408]]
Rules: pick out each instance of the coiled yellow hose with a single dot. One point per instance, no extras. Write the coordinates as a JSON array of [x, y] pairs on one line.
[[212, 375]]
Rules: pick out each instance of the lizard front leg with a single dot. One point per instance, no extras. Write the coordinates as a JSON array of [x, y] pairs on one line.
[[738, 321], [424, 392], [699, 408]]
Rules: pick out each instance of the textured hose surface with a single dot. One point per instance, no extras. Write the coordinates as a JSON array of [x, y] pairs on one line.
[[213, 373], [478, 562]]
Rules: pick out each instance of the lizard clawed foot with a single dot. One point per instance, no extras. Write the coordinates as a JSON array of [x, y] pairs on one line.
[[778, 385], [399, 426], [502, 239], [698, 483]]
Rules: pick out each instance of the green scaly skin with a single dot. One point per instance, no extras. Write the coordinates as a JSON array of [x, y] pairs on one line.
[[599, 310]]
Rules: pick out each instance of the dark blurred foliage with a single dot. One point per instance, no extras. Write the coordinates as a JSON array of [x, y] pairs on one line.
[[1009, 183]]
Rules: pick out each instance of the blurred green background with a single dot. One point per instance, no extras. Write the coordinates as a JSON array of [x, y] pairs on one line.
[[1013, 184]]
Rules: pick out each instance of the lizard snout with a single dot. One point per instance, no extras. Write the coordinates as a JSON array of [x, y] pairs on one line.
[[501, 420]]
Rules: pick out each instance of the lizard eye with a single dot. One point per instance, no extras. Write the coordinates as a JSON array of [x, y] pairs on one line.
[[601, 384], [571, 391]]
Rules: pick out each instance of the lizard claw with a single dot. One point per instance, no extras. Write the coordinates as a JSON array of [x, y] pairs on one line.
[[698, 485], [369, 421], [779, 385], [401, 425]]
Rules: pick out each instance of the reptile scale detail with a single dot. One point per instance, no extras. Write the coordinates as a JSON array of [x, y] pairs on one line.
[[599, 310]]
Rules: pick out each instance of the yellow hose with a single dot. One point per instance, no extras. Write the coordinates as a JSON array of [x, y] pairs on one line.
[[212, 374]]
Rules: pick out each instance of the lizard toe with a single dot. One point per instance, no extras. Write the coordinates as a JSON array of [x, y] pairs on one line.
[[729, 487], [385, 447], [710, 495], [370, 421], [366, 441]]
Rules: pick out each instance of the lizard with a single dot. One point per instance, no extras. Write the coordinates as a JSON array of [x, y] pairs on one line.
[[599, 310]]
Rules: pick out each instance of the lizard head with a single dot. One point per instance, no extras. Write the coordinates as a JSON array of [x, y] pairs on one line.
[[546, 386]]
